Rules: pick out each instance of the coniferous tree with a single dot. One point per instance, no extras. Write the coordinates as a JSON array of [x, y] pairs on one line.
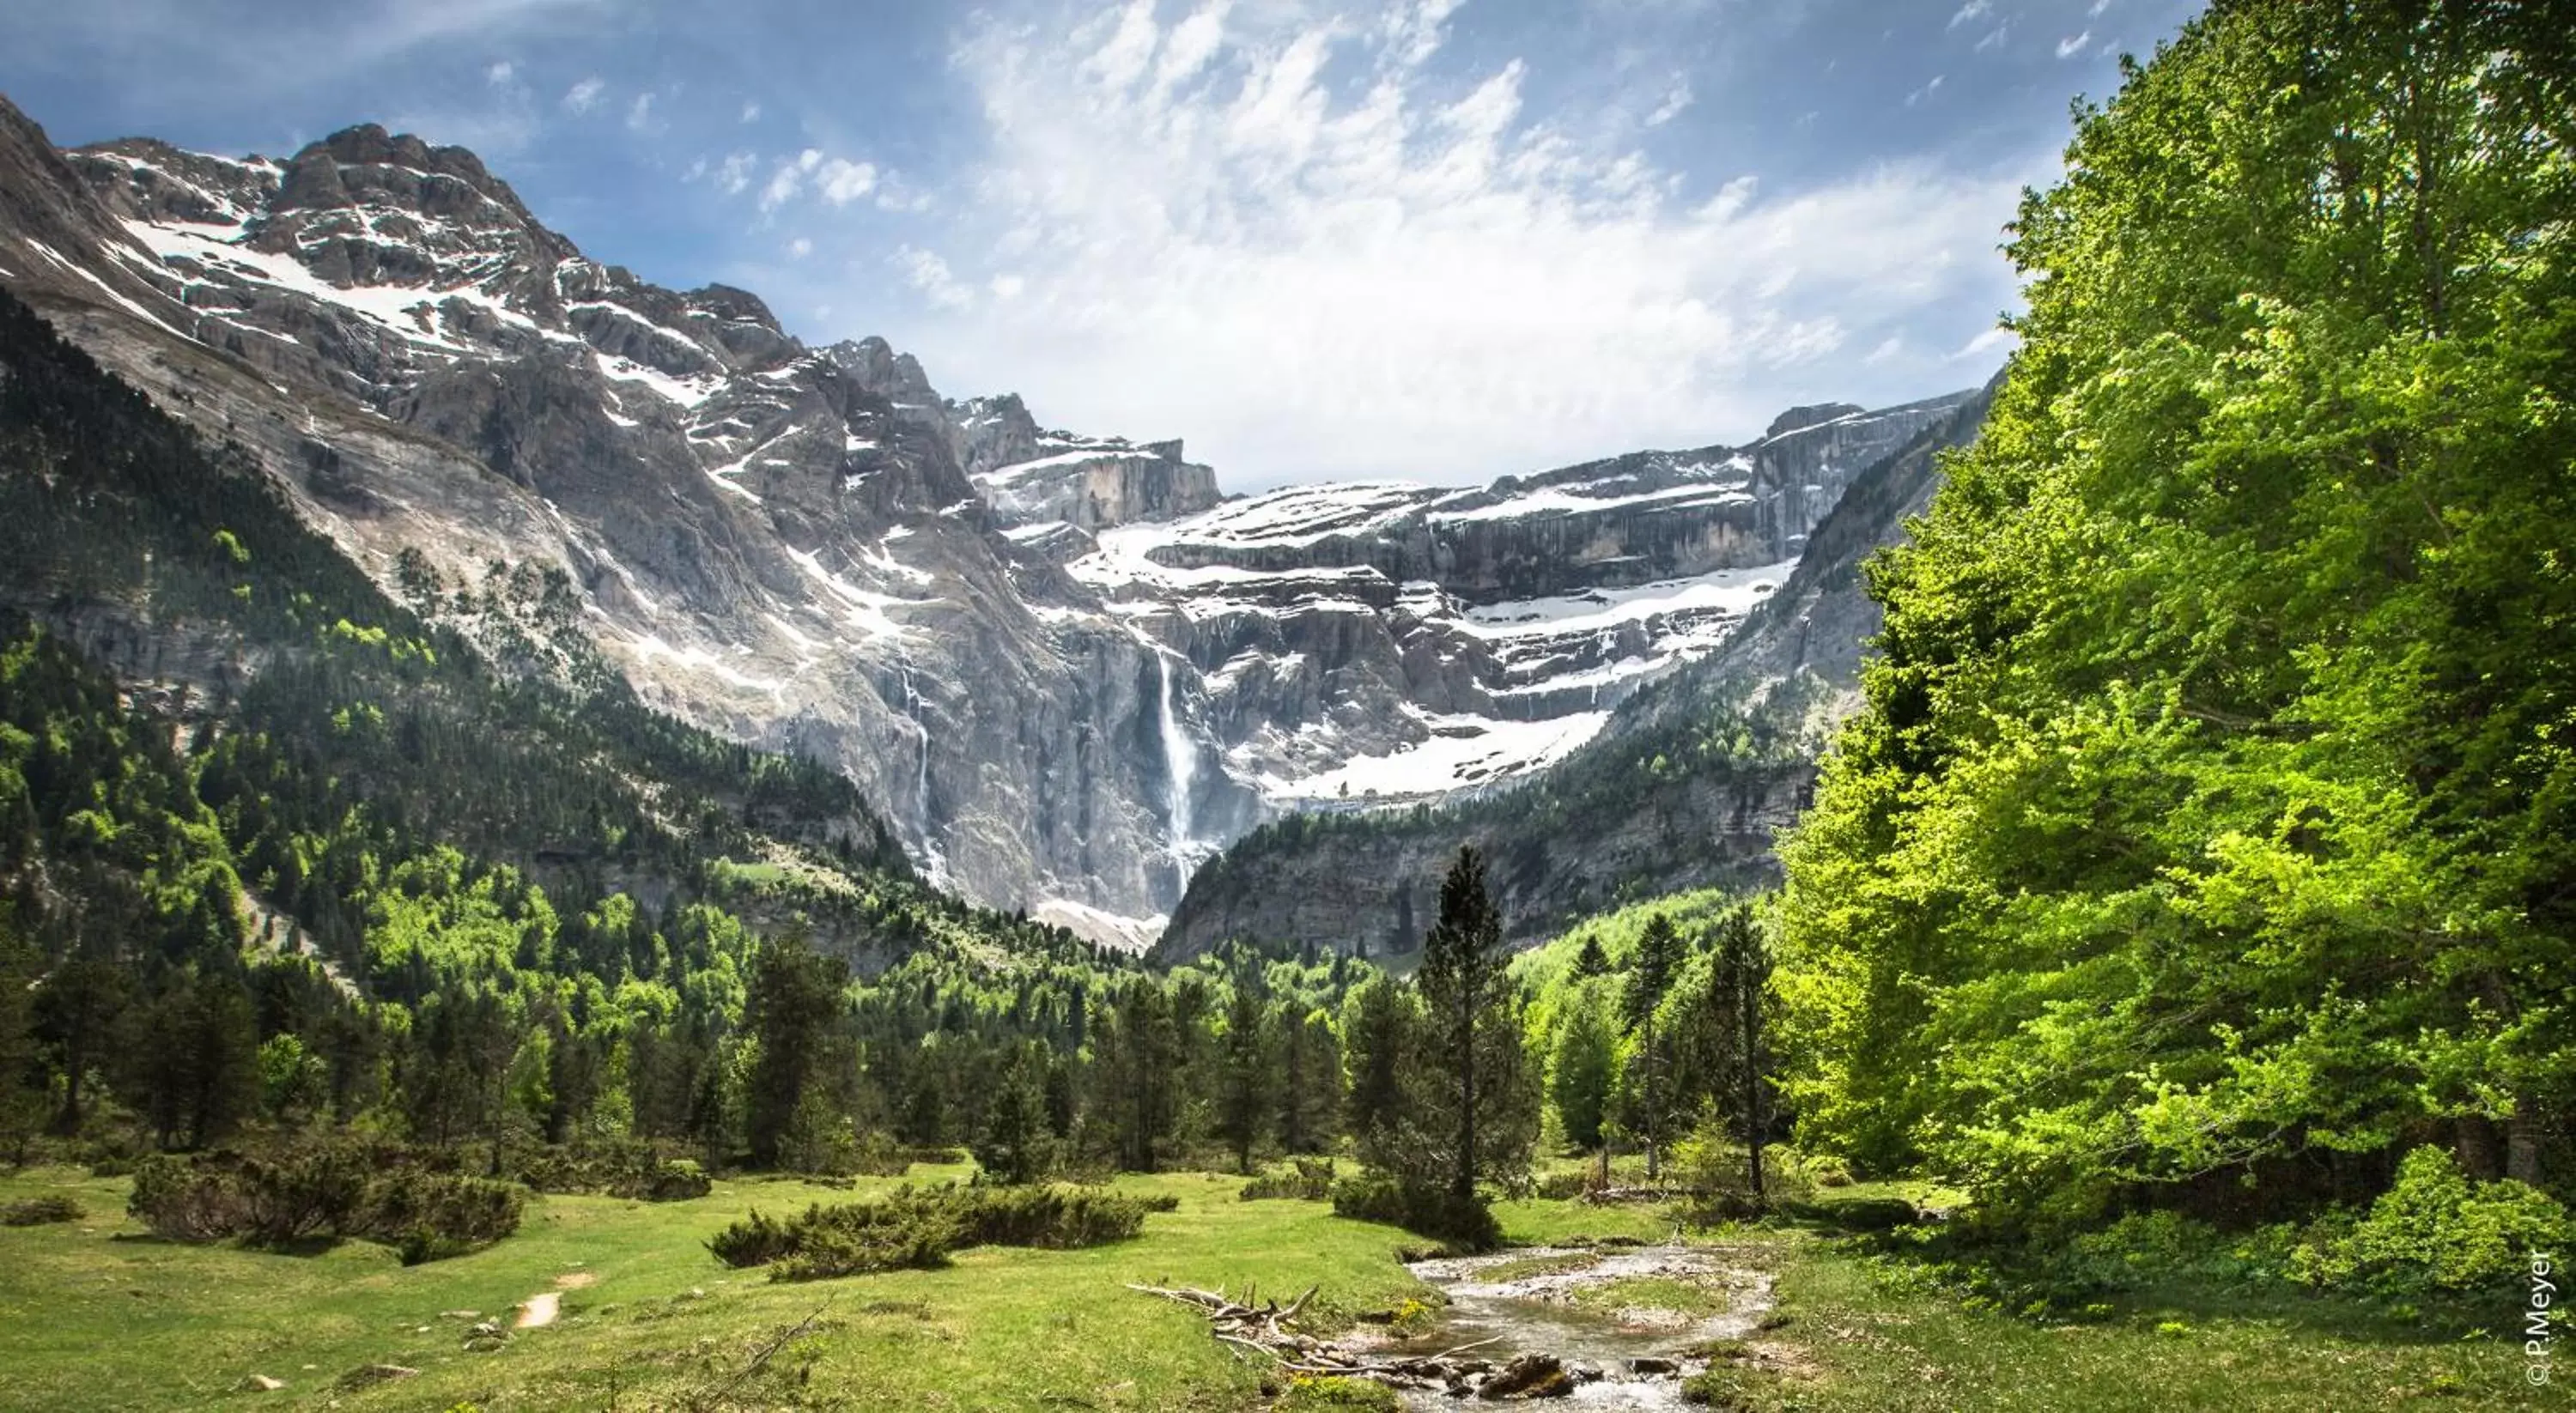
[[790, 1010], [1646, 1084], [1309, 1079], [1380, 1028], [1478, 1106], [77, 1010], [1244, 1081], [22, 1099]]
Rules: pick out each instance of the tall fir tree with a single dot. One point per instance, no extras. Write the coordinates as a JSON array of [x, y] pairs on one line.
[[1479, 1107]]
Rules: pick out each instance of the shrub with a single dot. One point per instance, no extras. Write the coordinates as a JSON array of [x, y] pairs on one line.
[[1307, 1180], [322, 1191], [917, 1228], [1565, 1186], [2436, 1230], [679, 1180], [428, 1216], [1307, 1394], [608, 1167], [1424, 1211], [756, 1240], [39, 1211]]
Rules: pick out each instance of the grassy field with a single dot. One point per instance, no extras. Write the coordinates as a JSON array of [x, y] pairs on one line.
[[97, 1315]]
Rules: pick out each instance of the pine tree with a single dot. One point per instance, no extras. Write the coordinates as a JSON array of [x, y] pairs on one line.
[[1741, 981], [1479, 1110], [791, 1009], [1380, 1030], [1590, 961], [22, 1102], [1244, 1085], [1647, 1082]]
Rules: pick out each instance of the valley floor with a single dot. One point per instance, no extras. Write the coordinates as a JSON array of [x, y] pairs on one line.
[[96, 1314]]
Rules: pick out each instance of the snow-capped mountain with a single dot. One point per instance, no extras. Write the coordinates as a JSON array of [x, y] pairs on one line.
[[1062, 664]]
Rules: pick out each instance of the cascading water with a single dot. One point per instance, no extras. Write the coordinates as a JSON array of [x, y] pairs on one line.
[[1180, 763], [938, 863]]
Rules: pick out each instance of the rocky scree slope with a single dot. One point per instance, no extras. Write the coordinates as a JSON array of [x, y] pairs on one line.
[[1062, 665]]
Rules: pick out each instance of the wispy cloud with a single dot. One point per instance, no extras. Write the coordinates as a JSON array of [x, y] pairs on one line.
[[1992, 340], [1674, 102], [1972, 11], [1375, 263], [639, 114], [500, 74], [2070, 47], [584, 96]]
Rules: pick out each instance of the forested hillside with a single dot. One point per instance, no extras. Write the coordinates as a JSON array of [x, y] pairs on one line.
[[316, 860], [2210, 833]]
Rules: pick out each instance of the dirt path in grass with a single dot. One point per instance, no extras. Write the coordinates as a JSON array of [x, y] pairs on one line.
[[539, 1310]]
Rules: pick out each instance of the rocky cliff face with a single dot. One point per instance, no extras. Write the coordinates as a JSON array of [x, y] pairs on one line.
[[1061, 664], [1686, 785]]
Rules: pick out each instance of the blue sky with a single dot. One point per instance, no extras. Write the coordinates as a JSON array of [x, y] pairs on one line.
[[1433, 240]]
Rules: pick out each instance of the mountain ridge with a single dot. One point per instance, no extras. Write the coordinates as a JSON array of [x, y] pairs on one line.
[[1061, 664]]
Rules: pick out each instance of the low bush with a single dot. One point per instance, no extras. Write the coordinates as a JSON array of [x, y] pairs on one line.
[[2433, 1231], [429, 1216], [917, 1228], [323, 1191], [40, 1211], [1306, 1180], [1425, 1211], [1568, 1185], [609, 1167], [1308, 1394]]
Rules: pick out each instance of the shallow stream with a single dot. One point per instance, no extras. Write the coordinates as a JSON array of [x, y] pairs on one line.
[[1549, 1301]]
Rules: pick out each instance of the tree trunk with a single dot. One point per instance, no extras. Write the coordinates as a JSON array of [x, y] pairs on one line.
[[1463, 1184], [2522, 1144], [2474, 1141], [1748, 1004], [1654, 1115]]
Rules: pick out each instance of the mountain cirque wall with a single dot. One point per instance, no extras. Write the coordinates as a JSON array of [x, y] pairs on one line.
[[1061, 664], [1688, 785]]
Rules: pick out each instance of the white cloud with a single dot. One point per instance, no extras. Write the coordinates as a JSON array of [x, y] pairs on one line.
[[500, 74], [1925, 91], [2098, 7], [751, 112], [931, 275], [733, 175], [1319, 253], [1888, 348], [1994, 39], [1672, 106], [2069, 48], [837, 180], [1987, 342], [800, 247], [842, 182], [584, 96], [1974, 9], [639, 114]]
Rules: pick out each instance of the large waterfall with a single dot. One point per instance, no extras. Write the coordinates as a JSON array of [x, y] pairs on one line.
[[1180, 763]]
